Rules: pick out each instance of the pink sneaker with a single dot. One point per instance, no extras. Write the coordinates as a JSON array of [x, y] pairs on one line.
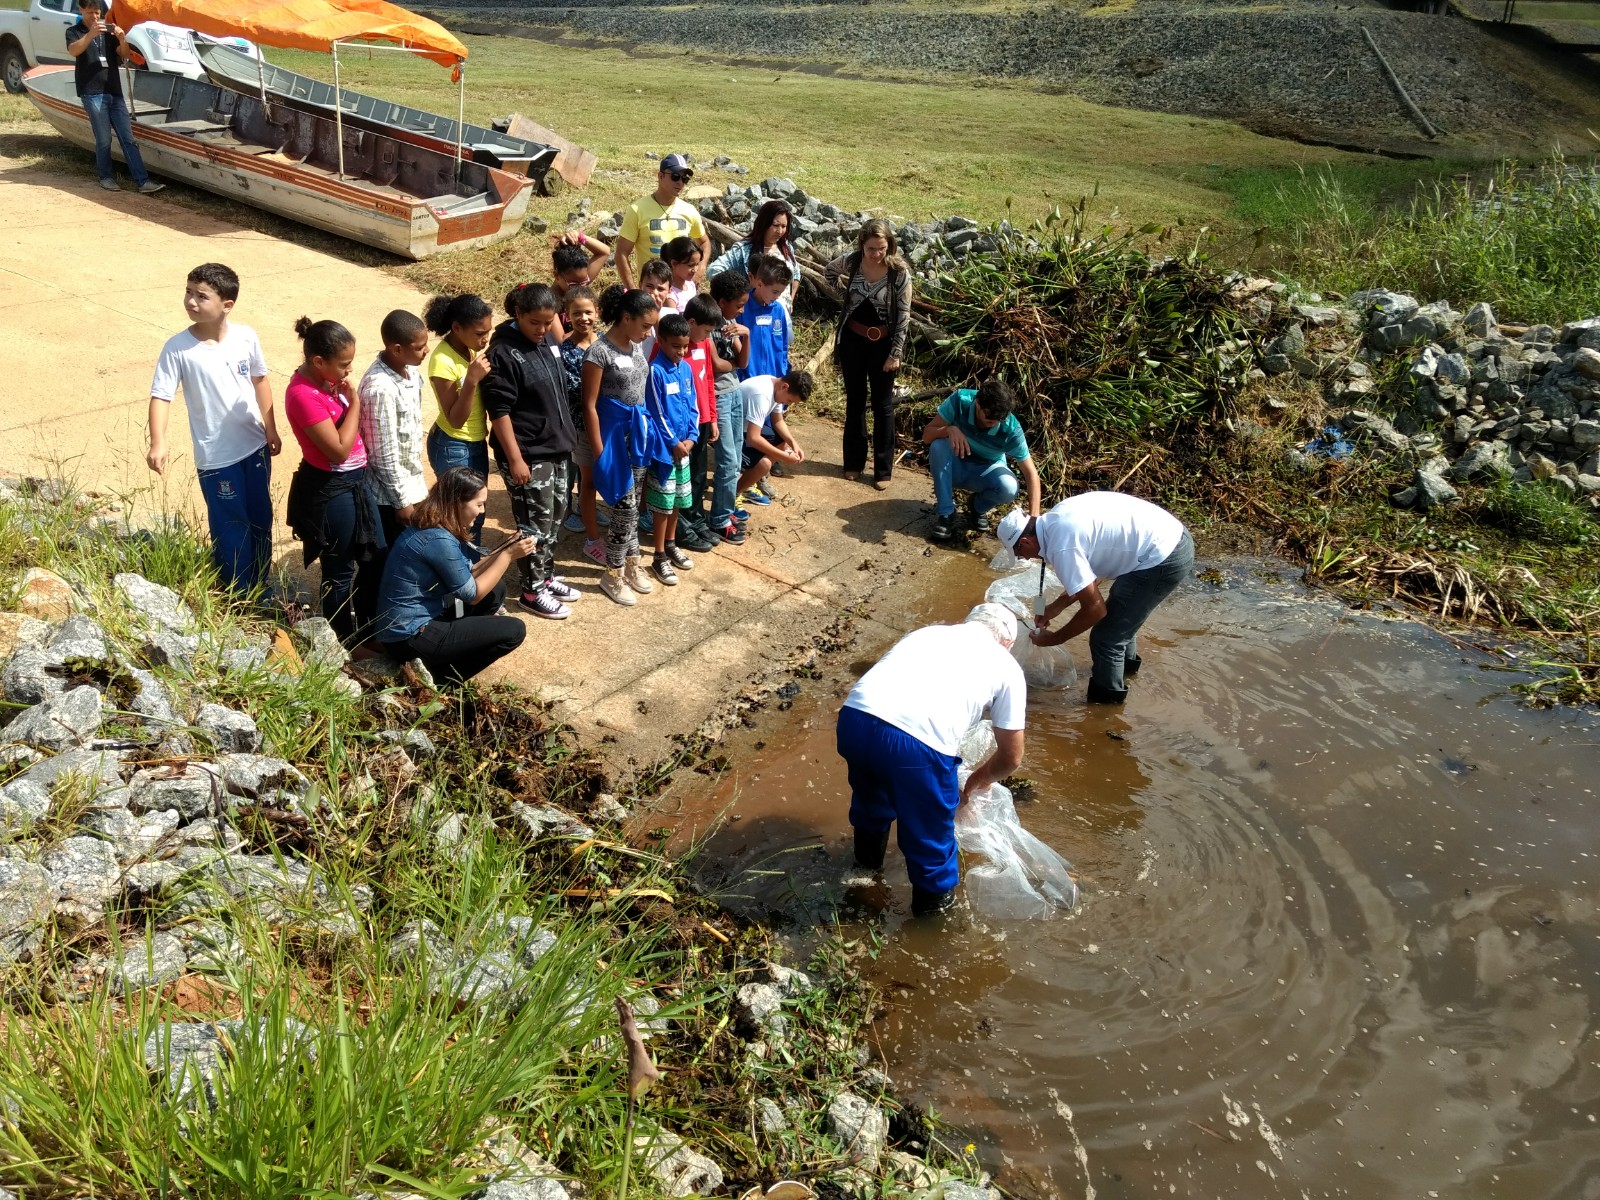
[[594, 549]]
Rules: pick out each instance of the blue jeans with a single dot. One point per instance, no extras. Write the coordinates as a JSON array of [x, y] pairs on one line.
[[445, 452], [729, 449], [1114, 639], [897, 780], [108, 114], [990, 483], [239, 508]]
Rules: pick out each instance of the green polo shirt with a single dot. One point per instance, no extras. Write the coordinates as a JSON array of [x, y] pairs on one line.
[[1001, 441]]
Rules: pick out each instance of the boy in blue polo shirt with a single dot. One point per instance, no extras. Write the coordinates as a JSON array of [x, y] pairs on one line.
[[969, 440], [670, 405], [767, 319]]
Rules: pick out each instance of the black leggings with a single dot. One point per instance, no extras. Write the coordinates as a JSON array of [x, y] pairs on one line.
[[456, 649], [865, 380]]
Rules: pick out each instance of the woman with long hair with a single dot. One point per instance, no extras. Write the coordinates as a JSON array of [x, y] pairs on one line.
[[769, 234], [870, 344], [439, 593]]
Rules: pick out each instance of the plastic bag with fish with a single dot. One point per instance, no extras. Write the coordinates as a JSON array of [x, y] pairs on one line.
[[1044, 667], [1019, 876]]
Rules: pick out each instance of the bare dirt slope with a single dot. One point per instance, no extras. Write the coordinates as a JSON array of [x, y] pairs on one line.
[[91, 286]]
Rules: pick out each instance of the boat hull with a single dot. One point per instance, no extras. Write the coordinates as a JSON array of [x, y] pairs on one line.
[[402, 226]]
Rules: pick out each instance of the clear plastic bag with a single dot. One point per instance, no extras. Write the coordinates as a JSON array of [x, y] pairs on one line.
[[1044, 667], [1020, 876]]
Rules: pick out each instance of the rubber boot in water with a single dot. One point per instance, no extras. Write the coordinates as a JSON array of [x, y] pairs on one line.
[[871, 846], [1104, 695], [925, 903], [1131, 665]]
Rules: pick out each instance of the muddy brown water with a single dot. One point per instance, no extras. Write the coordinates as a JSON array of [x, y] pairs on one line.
[[1337, 934]]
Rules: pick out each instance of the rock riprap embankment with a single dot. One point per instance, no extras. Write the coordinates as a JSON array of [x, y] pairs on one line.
[[1470, 399]]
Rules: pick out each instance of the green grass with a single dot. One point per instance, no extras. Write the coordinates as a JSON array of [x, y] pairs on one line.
[[1539, 512], [350, 1070], [1520, 236], [911, 148]]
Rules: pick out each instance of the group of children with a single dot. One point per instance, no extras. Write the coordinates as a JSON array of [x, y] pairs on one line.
[[663, 397]]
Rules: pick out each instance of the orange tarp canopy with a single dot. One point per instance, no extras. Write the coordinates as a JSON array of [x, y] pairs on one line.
[[300, 24]]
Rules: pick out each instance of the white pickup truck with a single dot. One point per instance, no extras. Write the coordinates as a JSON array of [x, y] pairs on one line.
[[39, 35]]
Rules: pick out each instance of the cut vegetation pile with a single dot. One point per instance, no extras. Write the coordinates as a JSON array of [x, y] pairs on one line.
[[271, 930]]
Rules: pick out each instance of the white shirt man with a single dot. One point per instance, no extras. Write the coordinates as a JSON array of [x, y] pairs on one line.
[[900, 731], [1104, 535]]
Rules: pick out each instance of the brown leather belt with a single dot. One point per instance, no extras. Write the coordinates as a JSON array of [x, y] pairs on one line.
[[873, 333]]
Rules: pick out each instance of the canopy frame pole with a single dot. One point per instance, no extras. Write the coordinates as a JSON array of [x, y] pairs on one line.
[[261, 78], [338, 108], [461, 114]]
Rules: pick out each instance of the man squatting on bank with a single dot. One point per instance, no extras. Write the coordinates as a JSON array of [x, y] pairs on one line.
[[1104, 535], [900, 734]]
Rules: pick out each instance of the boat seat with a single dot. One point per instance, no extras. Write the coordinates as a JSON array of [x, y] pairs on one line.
[[194, 127]]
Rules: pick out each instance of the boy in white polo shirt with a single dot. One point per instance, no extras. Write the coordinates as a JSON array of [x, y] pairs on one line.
[[223, 375]]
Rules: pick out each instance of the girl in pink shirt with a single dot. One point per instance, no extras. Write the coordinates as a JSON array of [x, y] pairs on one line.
[[332, 511]]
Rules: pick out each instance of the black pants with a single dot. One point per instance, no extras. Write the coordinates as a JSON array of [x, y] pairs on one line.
[[352, 568], [865, 381], [456, 649]]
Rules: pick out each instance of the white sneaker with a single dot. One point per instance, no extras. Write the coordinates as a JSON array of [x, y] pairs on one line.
[[110, 185], [615, 585], [150, 187], [633, 571]]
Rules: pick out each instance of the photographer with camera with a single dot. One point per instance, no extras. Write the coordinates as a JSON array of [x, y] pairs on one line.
[[440, 593], [98, 47]]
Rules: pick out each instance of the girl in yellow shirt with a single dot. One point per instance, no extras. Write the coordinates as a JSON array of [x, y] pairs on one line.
[[455, 368]]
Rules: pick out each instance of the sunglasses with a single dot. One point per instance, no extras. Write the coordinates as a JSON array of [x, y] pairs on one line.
[[679, 176]]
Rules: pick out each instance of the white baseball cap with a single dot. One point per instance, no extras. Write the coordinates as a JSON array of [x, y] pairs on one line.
[[1011, 527], [998, 619]]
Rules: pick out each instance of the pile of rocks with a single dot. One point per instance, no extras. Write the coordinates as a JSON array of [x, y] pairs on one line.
[[1479, 400], [827, 231]]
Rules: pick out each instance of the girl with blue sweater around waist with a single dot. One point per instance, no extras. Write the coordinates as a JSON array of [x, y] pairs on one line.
[[622, 437]]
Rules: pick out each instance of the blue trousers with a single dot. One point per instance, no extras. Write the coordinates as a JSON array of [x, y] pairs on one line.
[[897, 780], [1114, 638], [729, 455], [239, 508], [445, 452], [108, 115], [991, 484]]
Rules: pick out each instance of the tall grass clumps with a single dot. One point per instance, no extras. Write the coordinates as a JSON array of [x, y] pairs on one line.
[[274, 926], [1523, 239], [1103, 339]]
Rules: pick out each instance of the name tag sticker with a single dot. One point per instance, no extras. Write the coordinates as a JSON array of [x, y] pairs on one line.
[[672, 388], [624, 364], [555, 351], [698, 355], [767, 320]]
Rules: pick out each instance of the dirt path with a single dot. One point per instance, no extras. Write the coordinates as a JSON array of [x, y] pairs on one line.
[[91, 286]]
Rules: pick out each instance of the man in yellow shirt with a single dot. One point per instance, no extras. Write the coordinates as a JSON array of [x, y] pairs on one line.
[[654, 221]]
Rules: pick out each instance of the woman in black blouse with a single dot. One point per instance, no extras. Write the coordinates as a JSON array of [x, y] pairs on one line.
[[871, 344]]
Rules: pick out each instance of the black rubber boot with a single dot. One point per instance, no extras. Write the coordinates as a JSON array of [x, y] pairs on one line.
[[1102, 695], [1131, 665], [926, 904], [871, 846]]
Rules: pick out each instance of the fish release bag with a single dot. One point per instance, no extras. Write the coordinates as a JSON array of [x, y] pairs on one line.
[[1044, 667], [1020, 876]]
